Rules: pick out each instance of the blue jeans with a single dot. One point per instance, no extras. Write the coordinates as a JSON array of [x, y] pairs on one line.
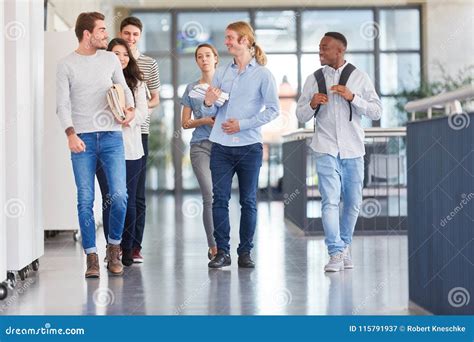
[[245, 161], [106, 148], [133, 170], [339, 178]]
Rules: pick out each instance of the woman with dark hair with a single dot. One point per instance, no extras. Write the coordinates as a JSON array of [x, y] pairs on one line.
[[206, 58], [133, 148]]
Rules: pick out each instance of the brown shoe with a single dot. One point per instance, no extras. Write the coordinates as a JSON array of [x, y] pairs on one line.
[[114, 265], [93, 270]]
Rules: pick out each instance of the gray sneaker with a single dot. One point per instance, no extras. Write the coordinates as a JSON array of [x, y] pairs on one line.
[[348, 258], [336, 263]]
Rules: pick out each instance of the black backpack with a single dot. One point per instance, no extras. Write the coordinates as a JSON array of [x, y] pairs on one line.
[[346, 72]]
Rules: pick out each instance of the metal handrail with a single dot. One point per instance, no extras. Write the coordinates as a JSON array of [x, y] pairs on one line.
[[372, 132], [450, 100]]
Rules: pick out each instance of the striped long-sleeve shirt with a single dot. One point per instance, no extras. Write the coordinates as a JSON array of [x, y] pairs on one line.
[[149, 67]]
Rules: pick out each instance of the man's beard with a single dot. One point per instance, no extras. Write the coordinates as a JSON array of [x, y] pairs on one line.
[[96, 43]]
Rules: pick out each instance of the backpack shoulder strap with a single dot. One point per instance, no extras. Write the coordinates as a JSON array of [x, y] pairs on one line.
[[345, 74], [319, 76]]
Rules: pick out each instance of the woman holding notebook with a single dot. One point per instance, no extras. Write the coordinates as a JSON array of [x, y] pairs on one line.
[[206, 58], [132, 139]]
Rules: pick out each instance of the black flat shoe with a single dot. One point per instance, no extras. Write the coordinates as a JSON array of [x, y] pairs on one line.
[[221, 259], [127, 257], [245, 261]]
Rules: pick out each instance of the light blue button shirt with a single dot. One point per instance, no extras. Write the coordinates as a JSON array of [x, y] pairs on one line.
[[253, 100]]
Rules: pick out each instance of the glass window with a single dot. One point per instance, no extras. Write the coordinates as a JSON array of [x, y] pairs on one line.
[[160, 166], [276, 31], [284, 67], [188, 72], [356, 25], [197, 28], [287, 83], [364, 62], [156, 32], [394, 36], [309, 64], [391, 115], [399, 71]]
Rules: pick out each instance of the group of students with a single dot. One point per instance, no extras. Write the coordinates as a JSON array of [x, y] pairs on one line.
[[226, 139]]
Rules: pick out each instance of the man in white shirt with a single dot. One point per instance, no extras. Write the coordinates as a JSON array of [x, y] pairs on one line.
[[82, 81], [339, 143]]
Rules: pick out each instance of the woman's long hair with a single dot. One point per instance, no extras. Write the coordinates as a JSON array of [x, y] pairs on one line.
[[132, 72], [243, 29]]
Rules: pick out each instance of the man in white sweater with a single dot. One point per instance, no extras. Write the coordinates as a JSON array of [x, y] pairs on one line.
[[83, 79]]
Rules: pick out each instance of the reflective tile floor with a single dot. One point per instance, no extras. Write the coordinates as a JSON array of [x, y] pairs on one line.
[[175, 279]]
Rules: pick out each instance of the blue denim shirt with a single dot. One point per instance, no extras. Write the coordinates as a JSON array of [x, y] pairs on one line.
[[200, 133], [253, 101]]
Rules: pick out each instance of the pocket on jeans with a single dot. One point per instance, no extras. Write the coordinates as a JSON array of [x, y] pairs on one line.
[[355, 170], [325, 165], [257, 147]]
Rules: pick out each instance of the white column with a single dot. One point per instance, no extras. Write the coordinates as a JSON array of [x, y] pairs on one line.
[[3, 237], [24, 35]]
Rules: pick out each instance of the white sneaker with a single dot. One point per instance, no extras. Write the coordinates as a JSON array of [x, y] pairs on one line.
[[336, 263], [348, 258]]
